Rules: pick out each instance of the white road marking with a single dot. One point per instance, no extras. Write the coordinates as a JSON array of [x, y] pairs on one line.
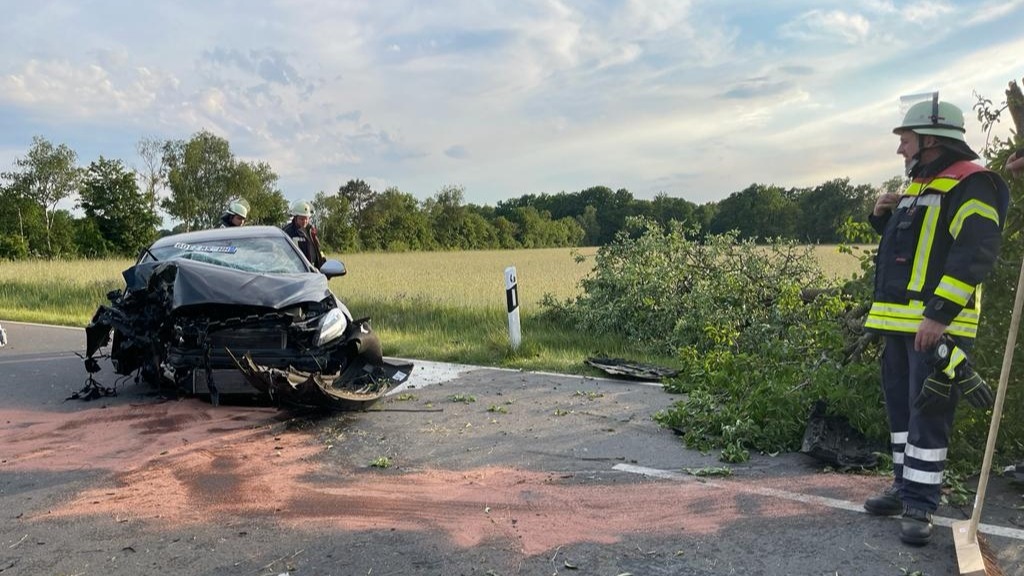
[[39, 359], [991, 529], [426, 373], [82, 328]]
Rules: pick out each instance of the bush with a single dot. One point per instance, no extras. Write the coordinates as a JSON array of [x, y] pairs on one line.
[[755, 352], [13, 247]]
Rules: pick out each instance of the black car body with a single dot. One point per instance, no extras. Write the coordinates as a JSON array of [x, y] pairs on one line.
[[240, 310]]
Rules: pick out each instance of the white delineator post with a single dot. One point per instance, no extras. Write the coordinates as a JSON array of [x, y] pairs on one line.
[[515, 336]]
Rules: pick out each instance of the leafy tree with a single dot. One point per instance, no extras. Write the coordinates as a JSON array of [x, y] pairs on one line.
[[200, 174], [360, 196], [609, 214], [63, 235], [13, 247], [333, 222], [703, 215], [569, 232], [122, 214], [203, 176], [21, 225], [453, 228], [152, 174], [591, 227], [894, 185], [536, 229], [257, 183], [506, 233], [507, 207], [480, 234], [45, 176], [613, 209], [13, 242], [89, 241], [393, 221], [827, 206], [664, 209], [759, 211]]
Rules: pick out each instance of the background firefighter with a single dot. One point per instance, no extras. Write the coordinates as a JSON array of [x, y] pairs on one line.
[[235, 214], [303, 233]]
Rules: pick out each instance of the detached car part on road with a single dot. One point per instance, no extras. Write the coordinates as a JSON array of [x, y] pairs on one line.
[[240, 310]]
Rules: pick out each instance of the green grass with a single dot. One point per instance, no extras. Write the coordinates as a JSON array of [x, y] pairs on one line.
[[59, 292], [444, 306]]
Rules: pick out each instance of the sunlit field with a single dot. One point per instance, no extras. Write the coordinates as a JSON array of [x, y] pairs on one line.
[[471, 279]]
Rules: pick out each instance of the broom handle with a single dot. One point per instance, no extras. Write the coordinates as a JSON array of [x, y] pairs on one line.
[[997, 408]]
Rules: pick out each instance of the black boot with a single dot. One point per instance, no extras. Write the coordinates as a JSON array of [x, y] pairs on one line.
[[916, 526], [887, 503]]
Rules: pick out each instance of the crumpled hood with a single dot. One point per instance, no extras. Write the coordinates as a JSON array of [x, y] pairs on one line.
[[198, 283]]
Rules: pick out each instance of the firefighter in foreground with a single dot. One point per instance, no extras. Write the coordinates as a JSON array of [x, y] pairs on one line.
[[303, 233], [940, 239]]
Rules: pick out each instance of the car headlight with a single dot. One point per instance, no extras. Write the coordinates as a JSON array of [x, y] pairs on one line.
[[332, 326]]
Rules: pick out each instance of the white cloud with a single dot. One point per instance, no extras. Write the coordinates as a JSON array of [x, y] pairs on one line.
[[506, 98], [824, 25], [65, 90], [993, 10], [927, 12], [653, 17]]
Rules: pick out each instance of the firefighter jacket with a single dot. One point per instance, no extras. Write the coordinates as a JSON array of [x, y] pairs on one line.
[[937, 246], [308, 243], [225, 221]]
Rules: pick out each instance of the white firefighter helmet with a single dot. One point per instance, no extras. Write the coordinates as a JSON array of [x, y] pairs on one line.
[[933, 117], [302, 208], [238, 207]]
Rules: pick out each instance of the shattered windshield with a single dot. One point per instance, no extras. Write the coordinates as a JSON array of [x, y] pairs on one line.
[[269, 255]]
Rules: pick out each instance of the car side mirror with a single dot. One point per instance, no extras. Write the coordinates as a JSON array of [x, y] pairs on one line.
[[333, 268]]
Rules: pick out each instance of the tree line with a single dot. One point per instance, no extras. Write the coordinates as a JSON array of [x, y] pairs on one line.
[[120, 208]]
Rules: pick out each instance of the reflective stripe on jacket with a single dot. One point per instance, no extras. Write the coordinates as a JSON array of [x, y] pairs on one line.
[[937, 246]]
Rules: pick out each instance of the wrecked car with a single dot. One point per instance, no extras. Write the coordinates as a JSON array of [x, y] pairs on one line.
[[240, 311]]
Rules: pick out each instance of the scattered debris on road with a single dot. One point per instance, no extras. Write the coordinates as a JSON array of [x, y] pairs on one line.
[[635, 370]]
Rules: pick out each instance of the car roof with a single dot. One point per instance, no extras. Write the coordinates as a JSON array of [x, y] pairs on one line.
[[215, 234]]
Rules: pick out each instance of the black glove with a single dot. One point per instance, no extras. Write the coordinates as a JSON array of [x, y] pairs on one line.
[[937, 387], [974, 389], [950, 363], [934, 394], [944, 352]]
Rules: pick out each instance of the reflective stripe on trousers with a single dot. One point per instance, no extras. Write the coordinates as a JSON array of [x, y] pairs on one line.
[[919, 440]]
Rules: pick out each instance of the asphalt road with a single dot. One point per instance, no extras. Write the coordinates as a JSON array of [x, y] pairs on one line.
[[468, 471]]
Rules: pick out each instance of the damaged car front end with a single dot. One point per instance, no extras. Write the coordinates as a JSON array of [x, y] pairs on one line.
[[240, 310]]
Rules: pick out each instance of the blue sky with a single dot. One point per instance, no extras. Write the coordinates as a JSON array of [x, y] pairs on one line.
[[696, 99]]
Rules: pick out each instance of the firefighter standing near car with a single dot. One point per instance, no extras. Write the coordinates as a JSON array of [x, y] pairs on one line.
[[303, 233], [940, 239], [235, 214]]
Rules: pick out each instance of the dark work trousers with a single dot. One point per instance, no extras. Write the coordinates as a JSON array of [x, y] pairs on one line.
[[919, 439]]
